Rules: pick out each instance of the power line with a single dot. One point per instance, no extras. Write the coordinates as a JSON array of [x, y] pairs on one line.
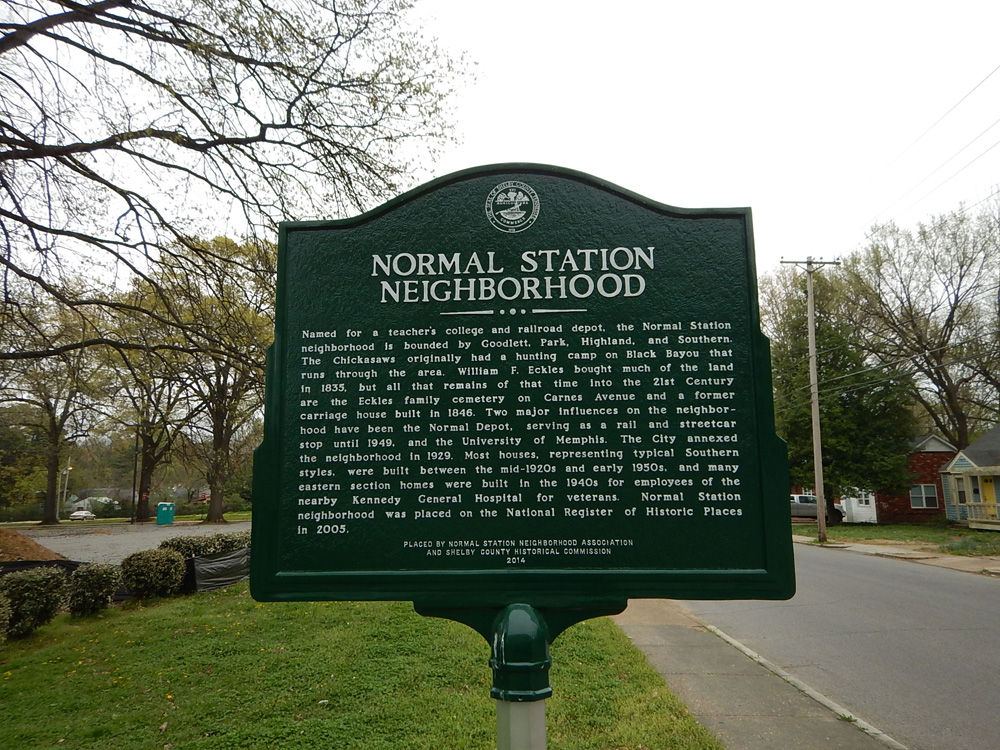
[[875, 368], [965, 209], [850, 345], [938, 121], [937, 169], [953, 176], [836, 391], [884, 365], [919, 138]]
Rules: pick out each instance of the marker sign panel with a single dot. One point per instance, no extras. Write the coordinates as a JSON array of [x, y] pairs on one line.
[[519, 383]]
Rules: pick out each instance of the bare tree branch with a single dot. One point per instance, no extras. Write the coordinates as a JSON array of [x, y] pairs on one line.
[[128, 126]]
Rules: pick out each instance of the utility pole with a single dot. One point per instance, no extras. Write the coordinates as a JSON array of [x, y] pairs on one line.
[[810, 267], [64, 475]]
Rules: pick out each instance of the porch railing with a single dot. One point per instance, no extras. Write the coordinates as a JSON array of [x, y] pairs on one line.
[[983, 512]]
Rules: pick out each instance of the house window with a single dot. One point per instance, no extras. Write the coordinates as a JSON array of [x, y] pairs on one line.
[[923, 496]]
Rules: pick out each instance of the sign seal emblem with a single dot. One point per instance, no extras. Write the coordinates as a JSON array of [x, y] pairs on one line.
[[512, 206]]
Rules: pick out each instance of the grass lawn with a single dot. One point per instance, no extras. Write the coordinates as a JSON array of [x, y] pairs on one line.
[[219, 671], [236, 515], [939, 537]]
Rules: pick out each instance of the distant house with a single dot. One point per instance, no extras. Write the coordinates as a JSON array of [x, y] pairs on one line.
[[859, 506], [925, 502], [970, 483]]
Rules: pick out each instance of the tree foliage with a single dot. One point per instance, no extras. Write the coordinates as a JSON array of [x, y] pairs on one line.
[[56, 394], [908, 339], [209, 399], [927, 300], [129, 126], [152, 401], [22, 457], [230, 299], [864, 410]]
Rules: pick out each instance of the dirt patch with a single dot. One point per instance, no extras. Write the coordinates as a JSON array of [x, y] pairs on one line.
[[15, 547]]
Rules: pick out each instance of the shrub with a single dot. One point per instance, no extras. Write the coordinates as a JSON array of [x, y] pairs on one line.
[[231, 542], [91, 588], [35, 597], [5, 613], [153, 572], [186, 546], [200, 546]]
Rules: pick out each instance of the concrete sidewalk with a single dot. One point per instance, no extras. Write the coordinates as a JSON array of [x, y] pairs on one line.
[[913, 553], [746, 702]]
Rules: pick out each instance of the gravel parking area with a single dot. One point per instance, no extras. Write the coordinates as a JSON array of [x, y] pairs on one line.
[[110, 543]]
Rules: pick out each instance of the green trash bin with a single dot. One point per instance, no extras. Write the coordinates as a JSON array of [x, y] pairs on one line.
[[164, 514]]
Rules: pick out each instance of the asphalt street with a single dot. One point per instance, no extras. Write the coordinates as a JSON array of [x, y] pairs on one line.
[[908, 648]]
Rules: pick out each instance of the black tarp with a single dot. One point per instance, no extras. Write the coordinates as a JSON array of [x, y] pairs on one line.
[[221, 569]]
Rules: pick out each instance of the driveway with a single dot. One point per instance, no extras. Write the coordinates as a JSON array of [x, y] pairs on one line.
[[110, 543]]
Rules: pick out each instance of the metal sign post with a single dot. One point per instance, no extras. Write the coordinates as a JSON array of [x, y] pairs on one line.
[[520, 665], [521, 726], [520, 386]]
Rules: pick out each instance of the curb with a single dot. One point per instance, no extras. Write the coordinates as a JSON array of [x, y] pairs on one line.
[[836, 708], [957, 563]]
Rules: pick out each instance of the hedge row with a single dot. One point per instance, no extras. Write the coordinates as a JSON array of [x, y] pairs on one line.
[[31, 598], [210, 544]]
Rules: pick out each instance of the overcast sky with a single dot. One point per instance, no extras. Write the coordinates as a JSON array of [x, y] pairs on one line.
[[815, 115]]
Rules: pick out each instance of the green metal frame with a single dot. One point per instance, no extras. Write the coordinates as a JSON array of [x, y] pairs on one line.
[[446, 214]]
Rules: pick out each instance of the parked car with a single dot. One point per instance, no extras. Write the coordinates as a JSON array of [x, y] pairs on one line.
[[81, 515], [804, 506]]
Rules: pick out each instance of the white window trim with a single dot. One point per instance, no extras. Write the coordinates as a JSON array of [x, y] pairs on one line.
[[924, 496]]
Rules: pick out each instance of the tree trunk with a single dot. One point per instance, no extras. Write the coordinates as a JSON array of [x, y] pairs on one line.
[[217, 476], [833, 516], [215, 505], [142, 511], [50, 514]]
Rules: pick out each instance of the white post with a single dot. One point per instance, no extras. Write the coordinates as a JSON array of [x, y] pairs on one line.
[[521, 726]]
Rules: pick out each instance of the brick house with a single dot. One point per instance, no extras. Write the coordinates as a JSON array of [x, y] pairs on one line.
[[925, 502]]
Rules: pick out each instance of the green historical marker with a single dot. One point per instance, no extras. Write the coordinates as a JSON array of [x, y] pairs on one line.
[[520, 384]]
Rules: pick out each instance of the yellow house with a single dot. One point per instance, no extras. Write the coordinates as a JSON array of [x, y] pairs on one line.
[[971, 478]]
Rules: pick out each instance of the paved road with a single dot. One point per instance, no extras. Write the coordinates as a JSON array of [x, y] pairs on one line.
[[110, 543], [909, 648]]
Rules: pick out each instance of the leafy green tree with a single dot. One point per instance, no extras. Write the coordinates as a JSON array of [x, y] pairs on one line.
[[104, 459], [228, 300], [152, 400], [57, 393], [865, 410], [22, 458], [239, 486]]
